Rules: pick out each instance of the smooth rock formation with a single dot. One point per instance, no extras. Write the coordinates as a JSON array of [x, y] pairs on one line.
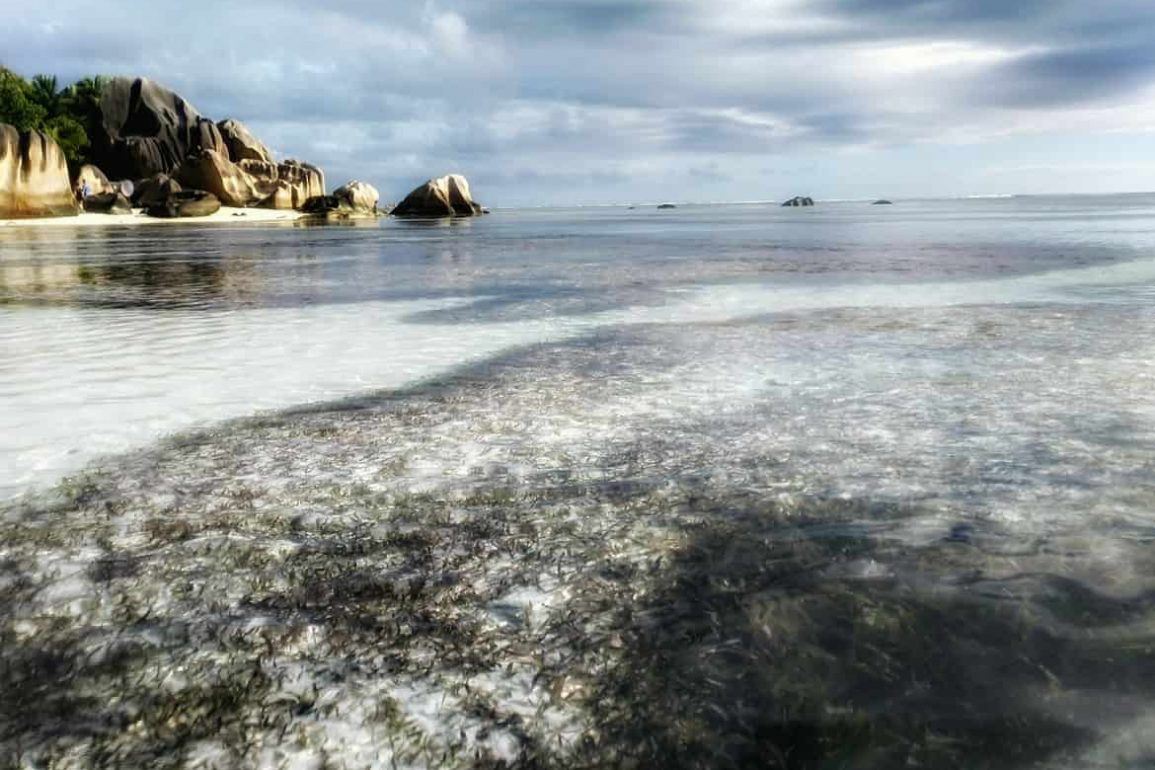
[[154, 190], [460, 198], [186, 203], [284, 185], [111, 202], [667, 206], [97, 182], [882, 203], [799, 201], [147, 130], [241, 142], [34, 179], [358, 195], [447, 196], [330, 208], [213, 172]]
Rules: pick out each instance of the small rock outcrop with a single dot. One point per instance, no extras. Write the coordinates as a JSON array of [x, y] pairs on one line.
[[34, 179], [241, 142], [185, 204], [154, 190], [147, 129], [95, 179], [798, 200], [285, 185], [325, 204], [213, 172], [883, 202], [448, 196], [358, 196], [111, 202], [667, 206]]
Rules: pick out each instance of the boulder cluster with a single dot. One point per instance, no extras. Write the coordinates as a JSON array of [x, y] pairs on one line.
[[33, 176], [798, 200], [171, 161]]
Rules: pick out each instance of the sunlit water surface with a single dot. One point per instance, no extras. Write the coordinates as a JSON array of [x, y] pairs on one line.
[[932, 410]]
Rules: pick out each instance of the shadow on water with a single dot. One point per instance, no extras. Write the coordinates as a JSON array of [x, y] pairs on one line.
[[758, 642], [753, 651]]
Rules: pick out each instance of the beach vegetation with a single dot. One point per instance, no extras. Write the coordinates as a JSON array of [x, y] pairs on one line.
[[69, 115]]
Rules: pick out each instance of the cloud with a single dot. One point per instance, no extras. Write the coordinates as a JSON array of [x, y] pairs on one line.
[[607, 98]]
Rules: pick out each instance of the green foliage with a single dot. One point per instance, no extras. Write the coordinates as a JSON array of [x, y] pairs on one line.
[[45, 92], [16, 103], [71, 136], [68, 115]]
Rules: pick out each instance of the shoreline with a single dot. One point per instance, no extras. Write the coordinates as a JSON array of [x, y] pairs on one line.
[[227, 215]]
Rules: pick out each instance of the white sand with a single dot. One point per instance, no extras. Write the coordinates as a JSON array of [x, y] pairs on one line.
[[138, 217]]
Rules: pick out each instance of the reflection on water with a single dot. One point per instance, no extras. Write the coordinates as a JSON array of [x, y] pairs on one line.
[[736, 488]]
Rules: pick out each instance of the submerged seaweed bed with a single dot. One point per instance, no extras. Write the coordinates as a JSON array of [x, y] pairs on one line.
[[864, 539]]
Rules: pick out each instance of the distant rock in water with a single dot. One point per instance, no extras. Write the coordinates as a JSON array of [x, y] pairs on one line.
[[667, 206], [34, 179], [448, 196], [883, 202], [358, 195], [798, 200], [147, 129], [154, 190], [107, 203], [185, 204], [241, 142]]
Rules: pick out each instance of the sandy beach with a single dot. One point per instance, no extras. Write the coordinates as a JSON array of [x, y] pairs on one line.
[[226, 215]]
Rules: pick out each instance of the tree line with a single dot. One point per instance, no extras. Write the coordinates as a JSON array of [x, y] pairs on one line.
[[69, 115]]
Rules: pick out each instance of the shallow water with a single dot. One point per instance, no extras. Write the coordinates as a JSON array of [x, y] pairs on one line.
[[859, 485]]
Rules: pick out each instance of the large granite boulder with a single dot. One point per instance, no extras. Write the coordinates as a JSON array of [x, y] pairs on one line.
[[359, 196], [147, 129], [241, 142], [185, 203], [460, 198], [154, 190], [213, 172], [34, 179], [112, 202], [447, 196], [97, 182], [285, 185], [798, 200]]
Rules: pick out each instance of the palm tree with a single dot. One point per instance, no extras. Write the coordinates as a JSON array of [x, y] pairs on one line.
[[46, 93]]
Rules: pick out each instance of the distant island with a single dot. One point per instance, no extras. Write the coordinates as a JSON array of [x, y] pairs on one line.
[[115, 146]]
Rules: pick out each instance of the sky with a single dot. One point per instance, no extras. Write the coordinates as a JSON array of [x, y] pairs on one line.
[[558, 102]]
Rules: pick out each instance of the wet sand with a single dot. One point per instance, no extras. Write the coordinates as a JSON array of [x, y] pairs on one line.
[[226, 215]]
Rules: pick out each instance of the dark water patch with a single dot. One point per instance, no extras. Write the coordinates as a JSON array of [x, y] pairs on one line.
[[746, 654]]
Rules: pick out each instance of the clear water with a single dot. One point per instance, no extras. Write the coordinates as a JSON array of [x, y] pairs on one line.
[[937, 419]]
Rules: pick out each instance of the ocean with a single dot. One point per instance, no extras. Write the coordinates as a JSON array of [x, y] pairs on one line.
[[724, 485]]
